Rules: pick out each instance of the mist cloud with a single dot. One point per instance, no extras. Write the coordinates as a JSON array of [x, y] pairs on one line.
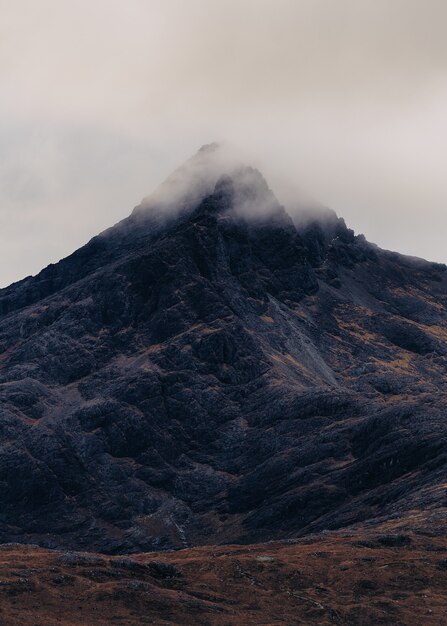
[[101, 100]]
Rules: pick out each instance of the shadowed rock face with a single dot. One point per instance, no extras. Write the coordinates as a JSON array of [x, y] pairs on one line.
[[221, 375]]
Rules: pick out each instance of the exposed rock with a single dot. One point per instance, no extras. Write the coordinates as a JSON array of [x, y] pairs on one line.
[[220, 375]]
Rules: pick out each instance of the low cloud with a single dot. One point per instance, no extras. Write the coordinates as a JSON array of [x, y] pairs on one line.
[[343, 101]]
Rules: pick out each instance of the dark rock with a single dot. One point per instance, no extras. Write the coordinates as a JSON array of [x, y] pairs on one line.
[[394, 541], [163, 570], [208, 375]]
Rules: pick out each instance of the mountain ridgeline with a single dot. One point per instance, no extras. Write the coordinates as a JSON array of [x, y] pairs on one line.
[[211, 371]]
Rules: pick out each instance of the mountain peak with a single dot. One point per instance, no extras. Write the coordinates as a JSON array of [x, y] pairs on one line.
[[219, 377], [208, 171], [191, 182], [210, 147]]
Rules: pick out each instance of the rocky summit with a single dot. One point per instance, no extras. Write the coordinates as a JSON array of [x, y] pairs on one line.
[[212, 370]]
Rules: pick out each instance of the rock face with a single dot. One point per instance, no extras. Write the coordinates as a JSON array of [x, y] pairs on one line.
[[216, 373]]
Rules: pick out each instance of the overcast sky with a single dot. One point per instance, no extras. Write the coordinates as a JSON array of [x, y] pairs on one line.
[[102, 99]]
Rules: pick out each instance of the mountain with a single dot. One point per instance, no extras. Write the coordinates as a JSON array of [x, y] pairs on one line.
[[212, 371]]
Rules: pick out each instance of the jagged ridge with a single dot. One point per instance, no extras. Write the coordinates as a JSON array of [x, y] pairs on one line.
[[220, 374]]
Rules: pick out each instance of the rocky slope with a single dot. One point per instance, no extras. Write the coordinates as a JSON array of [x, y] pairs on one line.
[[208, 371]]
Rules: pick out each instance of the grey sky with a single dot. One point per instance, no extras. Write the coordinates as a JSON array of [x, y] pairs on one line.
[[101, 99]]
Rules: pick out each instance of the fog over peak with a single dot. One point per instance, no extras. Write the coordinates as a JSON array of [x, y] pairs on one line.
[[337, 104], [213, 168], [192, 180]]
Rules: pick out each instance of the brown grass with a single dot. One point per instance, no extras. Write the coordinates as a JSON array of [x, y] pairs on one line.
[[333, 579]]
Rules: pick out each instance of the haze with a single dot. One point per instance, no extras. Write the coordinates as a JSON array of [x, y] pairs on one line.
[[102, 99]]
